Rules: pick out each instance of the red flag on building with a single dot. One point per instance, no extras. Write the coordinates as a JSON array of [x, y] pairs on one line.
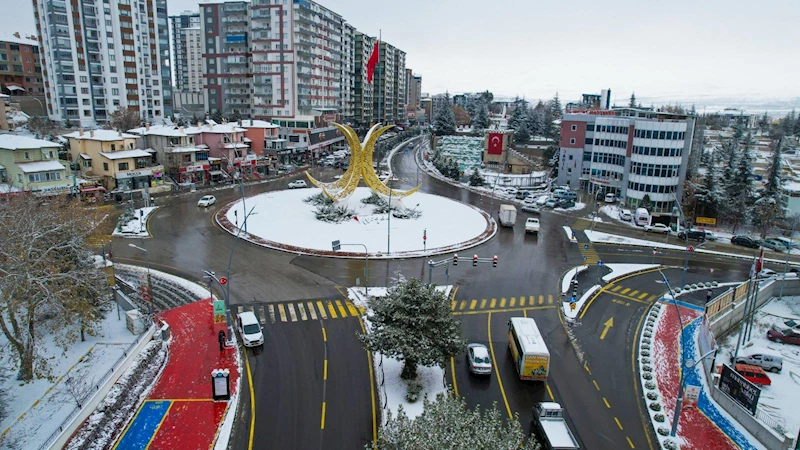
[[760, 262], [373, 61], [495, 143]]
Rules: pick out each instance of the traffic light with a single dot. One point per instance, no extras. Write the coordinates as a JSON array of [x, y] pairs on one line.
[[494, 261], [455, 259], [474, 260]]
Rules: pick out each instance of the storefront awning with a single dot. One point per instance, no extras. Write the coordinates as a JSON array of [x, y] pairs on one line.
[[218, 173]]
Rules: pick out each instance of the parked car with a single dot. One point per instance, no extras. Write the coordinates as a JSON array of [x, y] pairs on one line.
[[711, 236], [206, 201], [753, 374], [611, 198], [478, 359], [531, 208], [745, 241], [566, 203], [766, 273], [786, 335], [771, 245], [657, 228], [762, 358], [551, 203], [529, 200], [698, 235], [520, 195], [298, 184], [626, 215], [790, 244]]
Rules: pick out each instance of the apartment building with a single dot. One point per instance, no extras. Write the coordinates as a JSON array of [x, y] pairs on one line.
[[20, 65], [363, 113], [413, 90], [183, 27], [98, 56], [347, 77], [627, 151]]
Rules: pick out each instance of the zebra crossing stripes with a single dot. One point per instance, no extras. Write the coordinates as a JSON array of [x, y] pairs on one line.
[[302, 310]]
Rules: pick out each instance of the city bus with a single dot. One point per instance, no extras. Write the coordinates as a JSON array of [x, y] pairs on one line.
[[528, 350]]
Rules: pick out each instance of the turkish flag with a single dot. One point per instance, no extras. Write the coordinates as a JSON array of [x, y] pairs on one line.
[[495, 143], [760, 262], [373, 61]]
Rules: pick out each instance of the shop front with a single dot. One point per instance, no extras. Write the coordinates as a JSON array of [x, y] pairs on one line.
[[195, 173], [129, 180]]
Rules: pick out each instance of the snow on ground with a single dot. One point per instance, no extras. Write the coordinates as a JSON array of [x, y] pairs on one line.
[[387, 370], [136, 227], [573, 313], [448, 223], [606, 238], [571, 234], [44, 403], [197, 290], [567, 280], [619, 270], [778, 401]]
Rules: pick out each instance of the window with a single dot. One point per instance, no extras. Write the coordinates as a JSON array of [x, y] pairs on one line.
[[84, 90], [572, 140], [27, 155], [589, 127], [84, 79], [105, 167], [87, 113], [574, 128], [86, 101], [122, 166]]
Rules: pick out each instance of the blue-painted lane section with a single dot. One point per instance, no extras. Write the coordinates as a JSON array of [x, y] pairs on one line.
[[144, 426]]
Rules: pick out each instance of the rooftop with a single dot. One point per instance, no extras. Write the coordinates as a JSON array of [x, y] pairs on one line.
[[100, 135], [10, 37], [135, 153], [159, 130], [258, 124], [40, 166], [14, 142]]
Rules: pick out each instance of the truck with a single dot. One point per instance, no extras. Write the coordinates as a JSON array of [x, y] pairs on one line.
[[507, 215], [548, 418], [527, 348], [532, 225]]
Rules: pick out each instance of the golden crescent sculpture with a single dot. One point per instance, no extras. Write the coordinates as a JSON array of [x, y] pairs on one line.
[[360, 167]]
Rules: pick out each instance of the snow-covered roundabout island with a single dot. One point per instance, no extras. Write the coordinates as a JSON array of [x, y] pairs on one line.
[[281, 220]]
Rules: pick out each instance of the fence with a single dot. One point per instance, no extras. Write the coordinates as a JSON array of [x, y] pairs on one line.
[[66, 422]]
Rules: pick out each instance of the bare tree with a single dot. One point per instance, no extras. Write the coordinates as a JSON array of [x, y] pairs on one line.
[[48, 279], [124, 119], [42, 127], [77, 390]]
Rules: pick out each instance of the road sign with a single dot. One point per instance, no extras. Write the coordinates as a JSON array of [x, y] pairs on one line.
[[336, 245], [223, 281], [706, 220], [584, 257], [586, 246], [691, 248], [572, 306], [219, 311], [600, 263], [573, 299], [655, 251]]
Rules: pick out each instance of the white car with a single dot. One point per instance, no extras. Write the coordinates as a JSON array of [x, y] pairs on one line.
[[478, 359], [657, 228], [206, 201], [766, 273], [298, 184], [249, 329]]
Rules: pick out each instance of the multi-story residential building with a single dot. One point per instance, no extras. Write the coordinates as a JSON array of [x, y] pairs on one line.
[[32, 165], [413, 90], [363, 113], [347, 77], [184, 53], [627, 151], [20, 65], [389, 85], [100, 56], [174, 149]]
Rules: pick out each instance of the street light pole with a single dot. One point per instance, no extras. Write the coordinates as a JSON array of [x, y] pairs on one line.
[[389, 218], [686, 241], [147, 264], [366, 269]]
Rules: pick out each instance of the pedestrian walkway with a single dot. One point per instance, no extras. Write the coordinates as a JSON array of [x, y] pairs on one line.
[[179, 411], [590, 256], [302, 310], [706, 426], [502, 303], [627, 293]]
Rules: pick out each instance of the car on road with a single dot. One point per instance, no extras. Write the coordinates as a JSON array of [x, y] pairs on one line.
[[298, 184], [657, 228], [551, 203], [610, 197], [626, 215], [781, 335], [745, 241], [710, 236], [531, 208], [206, 201], [788, 243], [521, 195], [698, 235], [766, 273], [765, 359], [478, 359], [566, 203], [771, 245], [249, 329], [529, 200]]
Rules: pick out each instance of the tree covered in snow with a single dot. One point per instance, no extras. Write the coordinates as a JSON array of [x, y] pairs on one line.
[[520, 122], [710, 193], [632, 102], [475, 179], [41, 127], [739, 187], [763, 123], [48, 279], [555, 107], [771, 206], [413, 323], [444, 121], [124, 119], [536, 123], [646, 203], [480, 121], [448, 423]]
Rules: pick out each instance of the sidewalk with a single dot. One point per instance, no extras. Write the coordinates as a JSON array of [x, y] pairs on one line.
[[704, 427], [179, 411]]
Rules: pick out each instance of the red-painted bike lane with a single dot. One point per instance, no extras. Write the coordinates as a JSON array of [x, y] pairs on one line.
[[192, 418], [695, 429]]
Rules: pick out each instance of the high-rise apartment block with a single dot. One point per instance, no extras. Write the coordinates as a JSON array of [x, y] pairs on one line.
[[20, 65], [186, 51], [98, 56], [347, 78], [413, 90], [362, 89]]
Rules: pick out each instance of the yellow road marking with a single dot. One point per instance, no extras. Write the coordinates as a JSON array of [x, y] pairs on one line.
[[496, 370], [500, 310], [618, 424], [549, 298], [322, 423], [252, 403], [629, 442], [606, 325], [473, 303], [634, 293], [522, 301], [311, 311], [325, 370], [494, 302], [541, 299], [595, 385], [271, 309], [352, 308], [301, 308], [453, 374], [324, 335], [483, 303], [531, 299], [625, 291], [462, 305], [292, 314], [282, 312], [453, 305], [616, 288], [644, 294], [503, 302], [513, 301], [606, 402], [332, 310], [586, 366], [549, 392], [342, 311], [371, 387], [160, 422], [321, 308]]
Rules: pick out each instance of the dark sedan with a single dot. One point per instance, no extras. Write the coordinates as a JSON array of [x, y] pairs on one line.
[[787, 335], [746, 241]]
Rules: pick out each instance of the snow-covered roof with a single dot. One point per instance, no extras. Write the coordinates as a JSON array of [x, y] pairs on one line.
[[15, 142], [40, 166], [135, 153], [258, 124], [203, 146], [85, 156], [101, 135], [159, 130], [8, 37], [219, 128], [187, 150], [5, 188], [12, 87], [236, 145]]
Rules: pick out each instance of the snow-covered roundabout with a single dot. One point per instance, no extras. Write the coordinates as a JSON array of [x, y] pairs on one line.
[[281, 220]]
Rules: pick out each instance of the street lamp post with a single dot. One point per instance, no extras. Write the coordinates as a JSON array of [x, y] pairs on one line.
[[147, 263], [389, 217], [366, 267], [241, 183]]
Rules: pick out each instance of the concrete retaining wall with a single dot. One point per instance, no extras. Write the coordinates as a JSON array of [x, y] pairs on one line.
[[764, 434]]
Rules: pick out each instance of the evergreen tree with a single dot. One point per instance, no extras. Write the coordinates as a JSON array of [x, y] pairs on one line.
[[481, 119], [771, 206], [413, 323], [632, 103], [763, 123], [555, 107], [447, 422], [709, 193], [740, 189], [476, 179], [536, 123], [216, 116], [646, 203], [523, 134], [444, 121]]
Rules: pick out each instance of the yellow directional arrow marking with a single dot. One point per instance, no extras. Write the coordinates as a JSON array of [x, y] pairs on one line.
[[608, 324]]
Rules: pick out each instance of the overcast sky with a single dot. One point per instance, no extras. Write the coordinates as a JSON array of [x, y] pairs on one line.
[[676, 50]]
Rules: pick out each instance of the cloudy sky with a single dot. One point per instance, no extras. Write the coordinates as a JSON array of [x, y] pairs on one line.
[[666, 51]]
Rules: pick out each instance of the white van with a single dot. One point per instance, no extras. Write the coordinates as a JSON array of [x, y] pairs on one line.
[[611, 197], [763, 358], [642, 217], [250, 329]]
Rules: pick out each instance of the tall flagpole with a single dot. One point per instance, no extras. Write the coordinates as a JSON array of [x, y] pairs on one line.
[[380, 36]]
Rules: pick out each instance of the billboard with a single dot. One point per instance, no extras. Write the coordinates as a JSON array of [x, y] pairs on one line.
[[739, 389], [324, 135]]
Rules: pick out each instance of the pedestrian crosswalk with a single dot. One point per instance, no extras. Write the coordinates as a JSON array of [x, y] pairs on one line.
[[589, 254], [521, 302], [302, 310], [98, 240], [581, 224]]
